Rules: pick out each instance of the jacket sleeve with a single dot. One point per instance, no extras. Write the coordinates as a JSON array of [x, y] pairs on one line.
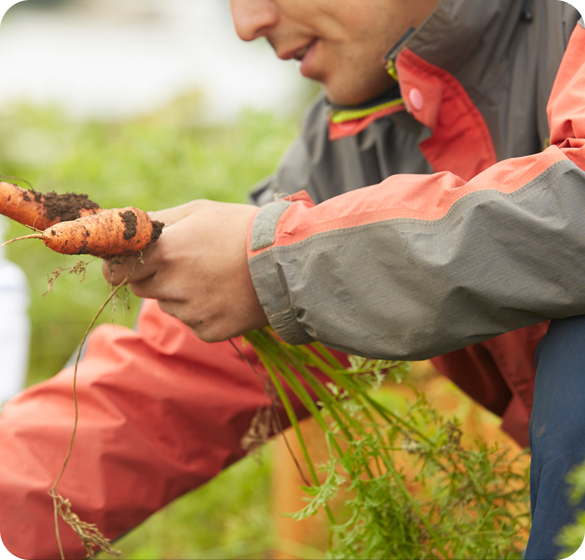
[[418, 266], [161, 413]]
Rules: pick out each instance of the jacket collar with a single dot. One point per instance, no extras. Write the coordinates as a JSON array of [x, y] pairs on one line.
[[464, 35], [458, 34]]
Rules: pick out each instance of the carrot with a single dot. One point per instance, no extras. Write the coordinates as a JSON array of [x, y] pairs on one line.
[[40, 211], [115, 232]]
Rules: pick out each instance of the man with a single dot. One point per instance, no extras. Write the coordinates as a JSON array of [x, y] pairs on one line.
[[474, 230]]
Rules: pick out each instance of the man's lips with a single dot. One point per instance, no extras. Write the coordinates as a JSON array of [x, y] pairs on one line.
[[304, 55], [297, 53], [300, 54]]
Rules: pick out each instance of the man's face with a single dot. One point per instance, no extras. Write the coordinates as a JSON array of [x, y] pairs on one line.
[[340, 43]]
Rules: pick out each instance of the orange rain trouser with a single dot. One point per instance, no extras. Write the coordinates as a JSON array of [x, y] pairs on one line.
[[160, 414]]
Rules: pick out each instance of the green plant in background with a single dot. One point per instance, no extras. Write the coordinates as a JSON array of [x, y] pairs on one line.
[[460, 503], [227, 518], [571, 537]]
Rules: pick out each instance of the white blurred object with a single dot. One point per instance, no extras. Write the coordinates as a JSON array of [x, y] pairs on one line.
[[5, 553], [14, 325], [106, 59]]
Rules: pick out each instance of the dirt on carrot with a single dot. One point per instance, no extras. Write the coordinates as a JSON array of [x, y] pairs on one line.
[[66, 207], [130, 220], [40, 211], [157, 228]]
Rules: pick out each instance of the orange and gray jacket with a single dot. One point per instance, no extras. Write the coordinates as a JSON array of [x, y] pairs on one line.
[[454, 217], [471, 229]]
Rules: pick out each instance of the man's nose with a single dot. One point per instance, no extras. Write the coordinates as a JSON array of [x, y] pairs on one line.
[[253, 18]]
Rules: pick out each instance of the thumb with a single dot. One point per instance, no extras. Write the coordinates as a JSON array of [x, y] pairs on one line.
[[173, 215]]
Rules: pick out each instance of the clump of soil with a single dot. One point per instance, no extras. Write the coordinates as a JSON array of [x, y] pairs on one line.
[[157, 228], [130, 221], [64, 206]]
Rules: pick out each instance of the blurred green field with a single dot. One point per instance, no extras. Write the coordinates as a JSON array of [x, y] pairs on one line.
[[159, 161]]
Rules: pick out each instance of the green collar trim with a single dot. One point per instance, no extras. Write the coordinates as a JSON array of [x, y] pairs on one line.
[[391, 69], [358, 114]]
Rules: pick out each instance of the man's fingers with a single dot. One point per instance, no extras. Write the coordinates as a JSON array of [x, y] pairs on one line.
[[116, 270], [154, 286], [172, 308], [140, 267], [198, 269], [171, 216], [206, 332]]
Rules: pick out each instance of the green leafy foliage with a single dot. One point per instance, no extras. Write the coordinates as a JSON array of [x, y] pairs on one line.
[[571, 537], [413, 490]]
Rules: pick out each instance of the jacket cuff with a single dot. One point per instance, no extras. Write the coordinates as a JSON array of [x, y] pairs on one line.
[[269, 282]]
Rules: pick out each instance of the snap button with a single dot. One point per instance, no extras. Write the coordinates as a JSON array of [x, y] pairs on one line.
[[416, 99]]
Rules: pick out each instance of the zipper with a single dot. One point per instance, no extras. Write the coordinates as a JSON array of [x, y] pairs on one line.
[[390, 58]]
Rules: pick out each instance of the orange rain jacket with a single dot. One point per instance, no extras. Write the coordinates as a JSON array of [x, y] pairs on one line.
[[486, 236]]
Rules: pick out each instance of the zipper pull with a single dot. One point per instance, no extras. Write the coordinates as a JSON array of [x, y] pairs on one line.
[[391, 69]]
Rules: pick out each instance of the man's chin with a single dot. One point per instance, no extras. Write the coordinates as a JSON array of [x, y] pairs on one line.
[[352, 100], [346, 100], [348, 97]]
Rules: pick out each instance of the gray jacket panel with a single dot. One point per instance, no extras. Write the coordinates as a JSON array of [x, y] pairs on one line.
[[415, 289]]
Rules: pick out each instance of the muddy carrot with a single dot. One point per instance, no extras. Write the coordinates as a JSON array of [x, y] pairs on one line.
[[116, 232], [40, 211]]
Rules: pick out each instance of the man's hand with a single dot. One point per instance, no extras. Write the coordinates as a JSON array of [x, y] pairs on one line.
[[198, 269]]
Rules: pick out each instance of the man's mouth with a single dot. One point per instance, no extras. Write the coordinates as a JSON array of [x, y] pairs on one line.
[[304, 56], [296, 54], [300, 54]]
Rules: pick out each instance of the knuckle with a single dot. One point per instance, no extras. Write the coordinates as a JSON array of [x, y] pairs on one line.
[[106, 270], [169, 308], [201, 206], [205, 336], [160, 254], [209, 333], [135, 289]]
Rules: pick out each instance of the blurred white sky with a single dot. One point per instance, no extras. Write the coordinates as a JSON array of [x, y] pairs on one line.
[[117, 58]]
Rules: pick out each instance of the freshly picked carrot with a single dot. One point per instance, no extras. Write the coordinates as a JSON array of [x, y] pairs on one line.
[[74, 225], [109, 233], [40, 211]]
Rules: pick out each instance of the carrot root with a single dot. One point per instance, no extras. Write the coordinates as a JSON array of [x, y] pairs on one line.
[[31, 236]]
